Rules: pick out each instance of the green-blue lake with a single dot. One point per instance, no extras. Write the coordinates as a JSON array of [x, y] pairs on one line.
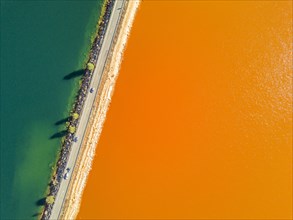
[[41, 43]]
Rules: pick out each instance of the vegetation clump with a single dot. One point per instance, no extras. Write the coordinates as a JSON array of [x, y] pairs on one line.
[[75, 116], [90, 66], [71, 129], [50, 200]]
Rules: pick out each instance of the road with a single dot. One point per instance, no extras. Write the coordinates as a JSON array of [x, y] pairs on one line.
[[87, 109]]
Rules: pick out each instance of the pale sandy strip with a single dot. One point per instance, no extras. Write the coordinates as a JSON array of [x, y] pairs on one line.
[[97, 119]]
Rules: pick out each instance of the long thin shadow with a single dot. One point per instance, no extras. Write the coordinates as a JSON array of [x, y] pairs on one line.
[[41, 202], [74, 74], [62, 121], [59, 134], [36, 215]]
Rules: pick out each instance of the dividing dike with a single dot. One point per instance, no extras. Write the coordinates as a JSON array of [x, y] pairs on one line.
[[93, 112]]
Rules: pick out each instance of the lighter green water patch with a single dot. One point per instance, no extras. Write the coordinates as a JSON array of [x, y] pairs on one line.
[[31, 179], [41, 43]]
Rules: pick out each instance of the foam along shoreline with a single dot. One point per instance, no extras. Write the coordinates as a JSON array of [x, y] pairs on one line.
[[96, 121]]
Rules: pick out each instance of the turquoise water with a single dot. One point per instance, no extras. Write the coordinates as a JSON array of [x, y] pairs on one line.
[[41, 42]]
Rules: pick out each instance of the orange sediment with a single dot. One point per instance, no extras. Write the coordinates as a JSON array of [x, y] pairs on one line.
[[200, 124]]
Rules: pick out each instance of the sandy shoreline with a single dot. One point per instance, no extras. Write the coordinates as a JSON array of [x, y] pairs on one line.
[[93, 131]]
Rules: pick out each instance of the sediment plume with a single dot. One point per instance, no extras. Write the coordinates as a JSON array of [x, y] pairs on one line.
[[102, 102]]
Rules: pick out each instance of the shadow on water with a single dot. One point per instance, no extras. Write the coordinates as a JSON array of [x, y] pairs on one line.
[[36, 215], [62, 121], [59, 134], [74, 74], [40, 202]]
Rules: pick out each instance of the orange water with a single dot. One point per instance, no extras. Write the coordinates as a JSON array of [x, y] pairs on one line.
[[200, 124]]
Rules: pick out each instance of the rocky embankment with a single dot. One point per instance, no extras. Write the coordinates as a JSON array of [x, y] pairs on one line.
[[77, 108], [84, 163]]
